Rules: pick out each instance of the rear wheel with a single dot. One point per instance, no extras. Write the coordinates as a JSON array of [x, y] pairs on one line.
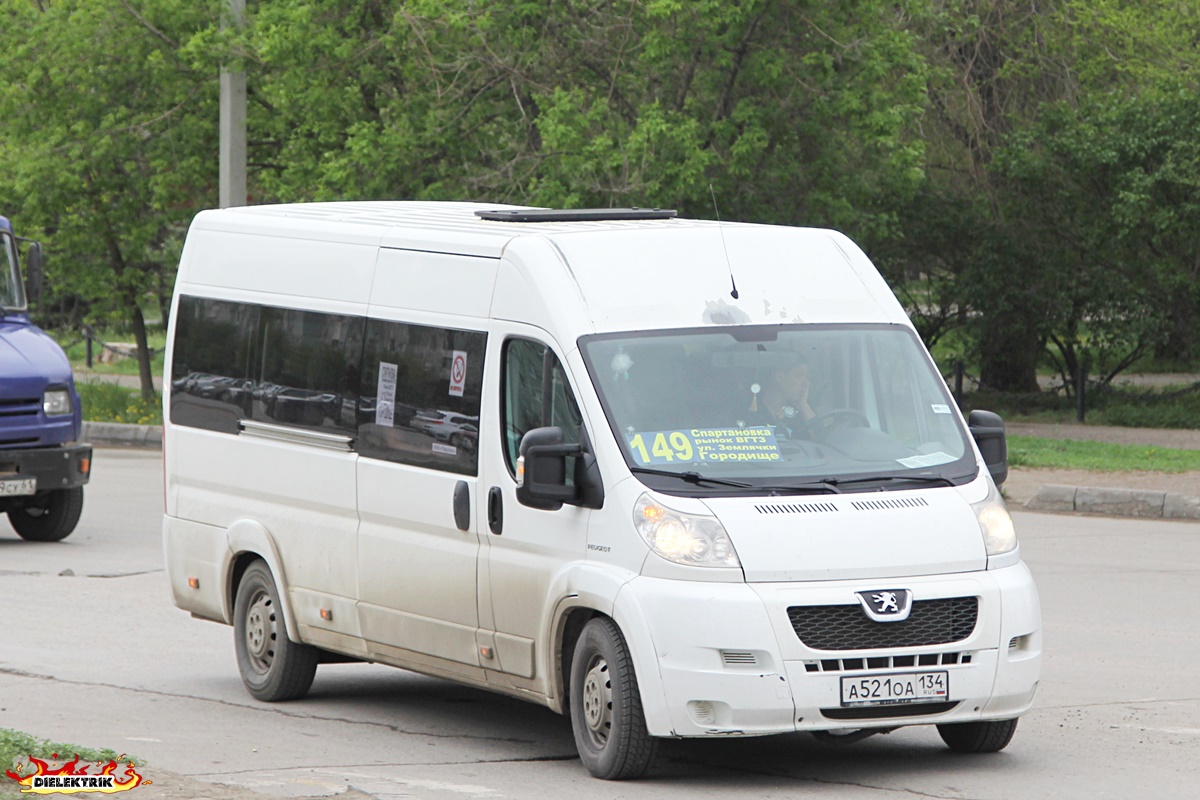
[[273, 667], [49, 517], [978, 737], [606, 707]]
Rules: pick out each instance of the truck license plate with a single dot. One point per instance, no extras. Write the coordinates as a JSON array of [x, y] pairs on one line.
[[10, 487], [912, 687]]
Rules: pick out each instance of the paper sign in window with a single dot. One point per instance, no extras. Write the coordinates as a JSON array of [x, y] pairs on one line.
[[385, 395]]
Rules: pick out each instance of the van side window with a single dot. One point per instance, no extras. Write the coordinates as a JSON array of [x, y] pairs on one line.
[[536, 394], [236, 361], [307, 370], [421, 393]]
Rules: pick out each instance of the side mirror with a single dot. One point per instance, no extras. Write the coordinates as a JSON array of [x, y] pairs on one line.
[[988, 431], [542, 469], [542, 472], [33, 278]]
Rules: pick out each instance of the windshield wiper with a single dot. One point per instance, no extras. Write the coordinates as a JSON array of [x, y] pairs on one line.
[[872, 479], [690, 477]]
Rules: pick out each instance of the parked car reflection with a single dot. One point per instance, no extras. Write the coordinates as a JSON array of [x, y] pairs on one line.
[[449, 427]]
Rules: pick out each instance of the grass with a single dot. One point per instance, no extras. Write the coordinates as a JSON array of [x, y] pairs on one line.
[[108, 402], [16, 747], [1030, 451]]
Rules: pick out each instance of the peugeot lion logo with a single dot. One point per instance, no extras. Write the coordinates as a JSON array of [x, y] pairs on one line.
[[886, 605]]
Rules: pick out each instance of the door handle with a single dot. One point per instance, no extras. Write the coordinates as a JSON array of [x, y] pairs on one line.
[[495, 510], [462, 506]]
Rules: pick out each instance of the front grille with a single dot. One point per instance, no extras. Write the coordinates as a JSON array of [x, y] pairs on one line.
[[20, 407], [886, 662], [931, 622]]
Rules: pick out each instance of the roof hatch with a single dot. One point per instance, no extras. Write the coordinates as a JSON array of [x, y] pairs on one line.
[[575, 214]]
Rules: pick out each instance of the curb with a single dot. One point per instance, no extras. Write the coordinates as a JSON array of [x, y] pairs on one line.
[[1115, 502], [111, 434]]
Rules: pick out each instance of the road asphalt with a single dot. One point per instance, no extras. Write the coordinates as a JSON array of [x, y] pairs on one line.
[[1132, 494]]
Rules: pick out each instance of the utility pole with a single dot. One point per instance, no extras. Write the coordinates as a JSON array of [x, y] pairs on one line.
[[233, 120]]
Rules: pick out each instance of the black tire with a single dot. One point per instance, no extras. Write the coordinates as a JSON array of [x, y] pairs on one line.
[[606, 706], [273, 667], [978, 737], [49, 517]]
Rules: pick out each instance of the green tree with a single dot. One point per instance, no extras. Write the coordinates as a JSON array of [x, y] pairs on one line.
[[109, 142]]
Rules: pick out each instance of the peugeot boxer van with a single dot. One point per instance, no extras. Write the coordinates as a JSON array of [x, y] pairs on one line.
[[543, 452]]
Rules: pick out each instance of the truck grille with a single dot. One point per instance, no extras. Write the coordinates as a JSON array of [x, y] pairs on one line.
[[931, 622], [20, 407]]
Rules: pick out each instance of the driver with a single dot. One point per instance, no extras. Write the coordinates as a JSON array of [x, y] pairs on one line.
[[782, 399]]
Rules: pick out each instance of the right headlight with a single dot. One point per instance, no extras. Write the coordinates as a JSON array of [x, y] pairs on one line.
[[999, 535], [56, 402], [697, 540]]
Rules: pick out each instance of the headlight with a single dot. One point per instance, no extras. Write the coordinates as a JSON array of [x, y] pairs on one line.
[[56, 402], [693, 539], [999, 535]]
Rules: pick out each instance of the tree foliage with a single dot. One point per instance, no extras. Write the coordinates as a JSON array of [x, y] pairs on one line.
[[1024, 173]]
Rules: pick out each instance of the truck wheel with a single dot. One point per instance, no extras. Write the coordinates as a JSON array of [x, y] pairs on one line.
[[978, 737], [273, 667], [606, 707], [50, 517]]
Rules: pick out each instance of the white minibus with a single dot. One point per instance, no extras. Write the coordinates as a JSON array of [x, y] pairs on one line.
[[670, 477]]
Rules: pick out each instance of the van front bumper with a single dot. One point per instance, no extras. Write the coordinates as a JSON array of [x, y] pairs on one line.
[[725, 660]]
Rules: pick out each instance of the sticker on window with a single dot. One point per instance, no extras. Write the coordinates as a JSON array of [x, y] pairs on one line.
[[385, 395], [444, 449], [458, 373], [930, 460], [701, 444], [938, 408]]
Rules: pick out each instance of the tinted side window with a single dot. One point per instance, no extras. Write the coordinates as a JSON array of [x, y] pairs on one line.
[[421, 392], [211, 385], [536, 395], [308, 369], [236, 361]]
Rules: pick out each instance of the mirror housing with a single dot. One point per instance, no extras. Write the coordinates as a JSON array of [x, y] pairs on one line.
[[33, 278], [542, 472], [988, 431]]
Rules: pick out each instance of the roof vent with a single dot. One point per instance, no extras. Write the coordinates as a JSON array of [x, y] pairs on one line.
[[575, 214]]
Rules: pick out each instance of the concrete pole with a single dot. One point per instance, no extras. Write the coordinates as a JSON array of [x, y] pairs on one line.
[[232, 158]]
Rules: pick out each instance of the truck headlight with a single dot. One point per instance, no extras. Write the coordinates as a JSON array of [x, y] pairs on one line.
[[56, 402], [697, 540], [999, 535]]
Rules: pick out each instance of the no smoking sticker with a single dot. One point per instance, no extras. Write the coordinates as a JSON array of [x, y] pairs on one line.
[[458, 373]]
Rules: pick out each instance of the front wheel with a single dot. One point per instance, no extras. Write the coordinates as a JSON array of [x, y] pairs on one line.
[[606, 706], [49, 517], [978, 737], [273, 667]]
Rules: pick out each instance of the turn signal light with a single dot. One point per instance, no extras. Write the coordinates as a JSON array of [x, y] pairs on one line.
[[194, 583]]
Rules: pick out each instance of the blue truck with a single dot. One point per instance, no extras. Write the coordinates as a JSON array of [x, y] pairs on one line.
[[43, 465]]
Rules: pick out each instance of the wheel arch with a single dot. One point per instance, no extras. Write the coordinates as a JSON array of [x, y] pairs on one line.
[[250, 541]]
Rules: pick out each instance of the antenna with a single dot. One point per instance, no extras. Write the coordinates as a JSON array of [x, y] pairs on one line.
[[728, 264]]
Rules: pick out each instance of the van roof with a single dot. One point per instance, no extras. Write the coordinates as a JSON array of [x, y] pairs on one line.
[[608, 274]]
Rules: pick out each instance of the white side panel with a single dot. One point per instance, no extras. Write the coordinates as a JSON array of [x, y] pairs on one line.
[[304, 497], [277, 265], [416, 568], [434, 282]]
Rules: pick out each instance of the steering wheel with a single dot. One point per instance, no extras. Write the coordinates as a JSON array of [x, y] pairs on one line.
[[826, 422]]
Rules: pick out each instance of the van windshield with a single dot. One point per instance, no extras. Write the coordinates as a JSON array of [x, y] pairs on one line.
[[779, 408], [12, 296]]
